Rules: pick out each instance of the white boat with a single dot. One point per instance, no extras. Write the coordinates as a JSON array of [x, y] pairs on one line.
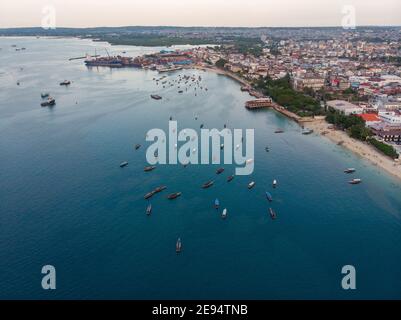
[[224, 214], [307, 131], [178, 246], [251, 185], [274, 183], [123, 164], [355, 181]]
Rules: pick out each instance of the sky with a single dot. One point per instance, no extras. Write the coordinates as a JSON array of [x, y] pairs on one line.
[[241, 13]]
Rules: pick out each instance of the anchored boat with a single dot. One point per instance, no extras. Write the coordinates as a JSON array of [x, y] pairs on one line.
[[207, 184], [123, 164], [350, 170], [307, 131], [220, 171], [269, 196], [150, 168], [273, 214], [355, 181], [49, 102], [224, 214], [160, 189], [156, 97], [149, 195], [65, 83], [174, 195], [230, 178], [216, 203], [178, 246], [149, 210], [274, 183], [251, 185]]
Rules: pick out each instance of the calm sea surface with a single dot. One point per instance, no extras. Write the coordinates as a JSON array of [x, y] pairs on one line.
[[64, 201]]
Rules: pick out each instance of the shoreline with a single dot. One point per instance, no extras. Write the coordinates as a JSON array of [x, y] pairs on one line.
[[361, 149], [321, 127]]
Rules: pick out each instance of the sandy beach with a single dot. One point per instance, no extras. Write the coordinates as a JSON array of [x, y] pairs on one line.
[[362, 149]]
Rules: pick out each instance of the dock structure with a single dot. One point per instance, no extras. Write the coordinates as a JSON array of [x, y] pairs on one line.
[[259, 104]]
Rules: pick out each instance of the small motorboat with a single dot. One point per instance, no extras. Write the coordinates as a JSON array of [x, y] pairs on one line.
[[273, 214], [224, 214], [150, 168], [216, 204], [65, 83], [149, 210], [159, 189], [275, 183], [149, 195], [350, 170], [155, 97], [279, 131], [307, 131], [251, 185], [49, 102], [178, 246], [123, 164], [181, 91], [137, 146], [45, 95], [174, 195], [222, 146], [207, 184], [201, 126], [220, 171], [230, 178], [269, 196], [355, 181]]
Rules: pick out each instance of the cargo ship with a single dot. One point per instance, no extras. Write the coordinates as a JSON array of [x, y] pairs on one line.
[[113, 62]]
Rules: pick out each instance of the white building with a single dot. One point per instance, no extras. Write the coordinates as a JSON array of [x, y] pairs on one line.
[[390, 118], [346, 107]]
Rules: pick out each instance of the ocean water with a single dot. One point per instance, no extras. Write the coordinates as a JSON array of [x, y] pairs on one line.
[[64, 201]]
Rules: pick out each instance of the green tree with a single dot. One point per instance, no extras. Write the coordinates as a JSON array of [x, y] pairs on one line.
[[221, 63]]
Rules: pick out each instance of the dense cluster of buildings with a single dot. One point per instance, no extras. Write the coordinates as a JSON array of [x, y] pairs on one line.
[[341, 68]]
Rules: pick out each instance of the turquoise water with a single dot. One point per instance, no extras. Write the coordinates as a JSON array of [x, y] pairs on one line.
[[64, 201]]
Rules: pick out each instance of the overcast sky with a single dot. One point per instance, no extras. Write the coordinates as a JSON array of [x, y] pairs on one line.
[[88, 13]]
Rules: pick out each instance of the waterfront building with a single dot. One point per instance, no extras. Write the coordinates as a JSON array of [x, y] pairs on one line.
[[345, 107]]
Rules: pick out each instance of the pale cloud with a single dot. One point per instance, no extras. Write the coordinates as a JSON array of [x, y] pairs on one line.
[[87, 13]]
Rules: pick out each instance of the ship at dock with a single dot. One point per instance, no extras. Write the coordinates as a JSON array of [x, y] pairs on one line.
[[113, 61]]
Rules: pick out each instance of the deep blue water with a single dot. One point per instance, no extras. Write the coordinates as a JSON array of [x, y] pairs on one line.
[[64, 201]]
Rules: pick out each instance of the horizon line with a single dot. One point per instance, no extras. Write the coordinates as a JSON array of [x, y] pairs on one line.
[[208, 27]]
